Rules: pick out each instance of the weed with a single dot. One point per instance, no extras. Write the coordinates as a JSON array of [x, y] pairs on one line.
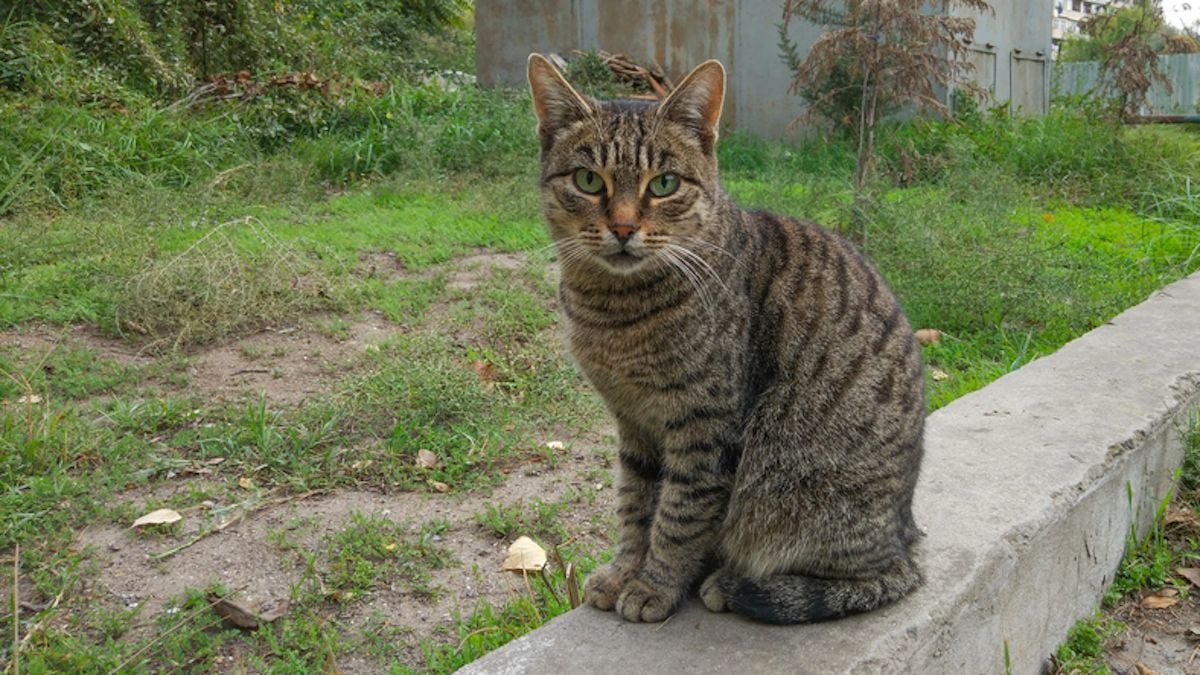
[[489, 627], [1083, 652], [535, 518], [371, 545]]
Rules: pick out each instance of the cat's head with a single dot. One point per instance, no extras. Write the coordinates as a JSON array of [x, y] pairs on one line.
[[626, 184]]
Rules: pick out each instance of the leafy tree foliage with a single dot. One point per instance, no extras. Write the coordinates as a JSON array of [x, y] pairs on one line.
[[876, 54]]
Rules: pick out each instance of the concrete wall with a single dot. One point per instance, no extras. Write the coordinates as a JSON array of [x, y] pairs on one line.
[[1027, 493], [678, 34], [1011, 54], [1183, 71]]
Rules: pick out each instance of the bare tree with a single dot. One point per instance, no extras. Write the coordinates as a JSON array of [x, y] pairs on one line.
[[887, 52], [1128, 55]]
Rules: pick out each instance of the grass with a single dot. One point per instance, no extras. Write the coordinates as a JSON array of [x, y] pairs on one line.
[[1149, 564], [165, 231], [1083, 652]]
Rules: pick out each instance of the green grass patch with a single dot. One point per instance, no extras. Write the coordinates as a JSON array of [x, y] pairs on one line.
[[176, 228], [372, 546]]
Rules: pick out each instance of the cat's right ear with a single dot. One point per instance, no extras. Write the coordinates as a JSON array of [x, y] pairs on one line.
[[554, 101]]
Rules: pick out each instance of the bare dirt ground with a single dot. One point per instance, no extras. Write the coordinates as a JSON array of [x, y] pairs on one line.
[[1157, 640], [259, 557], [246, 558]]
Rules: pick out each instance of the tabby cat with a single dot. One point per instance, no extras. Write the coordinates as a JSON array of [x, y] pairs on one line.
[[766, 386]]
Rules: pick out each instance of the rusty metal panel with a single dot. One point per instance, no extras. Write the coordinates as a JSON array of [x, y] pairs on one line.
[[507, 31], [679, 34]]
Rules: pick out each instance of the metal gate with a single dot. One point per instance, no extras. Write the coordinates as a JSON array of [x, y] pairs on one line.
[[1028, 83]]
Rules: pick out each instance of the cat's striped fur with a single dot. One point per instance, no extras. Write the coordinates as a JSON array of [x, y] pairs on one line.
[[766, 386]]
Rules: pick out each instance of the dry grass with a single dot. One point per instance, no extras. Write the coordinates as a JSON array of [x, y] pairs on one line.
[[216, 288]]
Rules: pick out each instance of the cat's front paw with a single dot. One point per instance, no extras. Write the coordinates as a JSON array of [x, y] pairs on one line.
[[642, 602], [604, 585], [711, 594]]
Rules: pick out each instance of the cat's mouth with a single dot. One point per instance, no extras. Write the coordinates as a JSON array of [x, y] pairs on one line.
[[622, 260]]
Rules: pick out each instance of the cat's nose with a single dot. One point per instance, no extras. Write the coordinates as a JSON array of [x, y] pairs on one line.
[[623, 232]]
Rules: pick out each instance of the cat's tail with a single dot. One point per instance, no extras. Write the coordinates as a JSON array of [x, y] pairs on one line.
[[793, 598]]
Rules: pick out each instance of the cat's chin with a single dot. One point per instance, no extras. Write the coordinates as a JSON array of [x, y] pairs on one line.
[[623, 262]]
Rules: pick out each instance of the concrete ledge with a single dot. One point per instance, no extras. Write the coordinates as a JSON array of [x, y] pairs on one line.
[[1024, 499]]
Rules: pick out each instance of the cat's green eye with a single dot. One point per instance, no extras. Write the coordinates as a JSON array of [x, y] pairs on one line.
[[664, 185], [589, 181]]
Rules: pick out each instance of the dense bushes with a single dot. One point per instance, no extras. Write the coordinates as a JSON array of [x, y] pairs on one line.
[[112, 50]]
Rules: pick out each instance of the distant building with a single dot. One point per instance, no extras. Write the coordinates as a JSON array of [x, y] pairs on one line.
[[1068, 14]]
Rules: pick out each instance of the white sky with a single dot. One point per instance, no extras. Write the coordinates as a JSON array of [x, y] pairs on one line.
[[1180, 13]]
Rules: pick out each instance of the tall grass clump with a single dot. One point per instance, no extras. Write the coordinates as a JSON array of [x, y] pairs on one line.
[[1072, 154], [217, 287], [427, 131]]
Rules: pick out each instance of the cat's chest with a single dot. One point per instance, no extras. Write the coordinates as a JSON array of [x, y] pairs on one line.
[[645, 369]]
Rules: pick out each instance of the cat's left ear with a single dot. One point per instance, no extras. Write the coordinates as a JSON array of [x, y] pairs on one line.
[[696, 102], [555, 103]]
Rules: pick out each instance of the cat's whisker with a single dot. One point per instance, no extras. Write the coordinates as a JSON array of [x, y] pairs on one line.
[[706, 244], [542, 249], [693, 276], [701, 264], [571, 250]]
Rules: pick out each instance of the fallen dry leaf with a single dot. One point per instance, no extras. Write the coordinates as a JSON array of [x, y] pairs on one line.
[[32, 398], [1158, 601], [929, 336], [241, 616], [524, 555], [1143, 670], [1192, 574], [555, 445], [426, 459], [1184, 517], [1194, 630], [158, 517], [487, 374], [439, 486], [938, 374], [246, 482]]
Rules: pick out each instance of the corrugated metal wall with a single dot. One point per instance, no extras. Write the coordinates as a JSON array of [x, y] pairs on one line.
[[1012, 44], [1183, 70]]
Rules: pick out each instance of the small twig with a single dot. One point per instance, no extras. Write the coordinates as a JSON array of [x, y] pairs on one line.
[[250, 371], [532, 598], [221, 176], [546, 581], [572, 581], [161, 636], [158, 557], [37, 628], [16, 608]]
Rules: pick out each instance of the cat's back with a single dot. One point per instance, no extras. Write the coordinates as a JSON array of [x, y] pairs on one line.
[[826, 321]]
